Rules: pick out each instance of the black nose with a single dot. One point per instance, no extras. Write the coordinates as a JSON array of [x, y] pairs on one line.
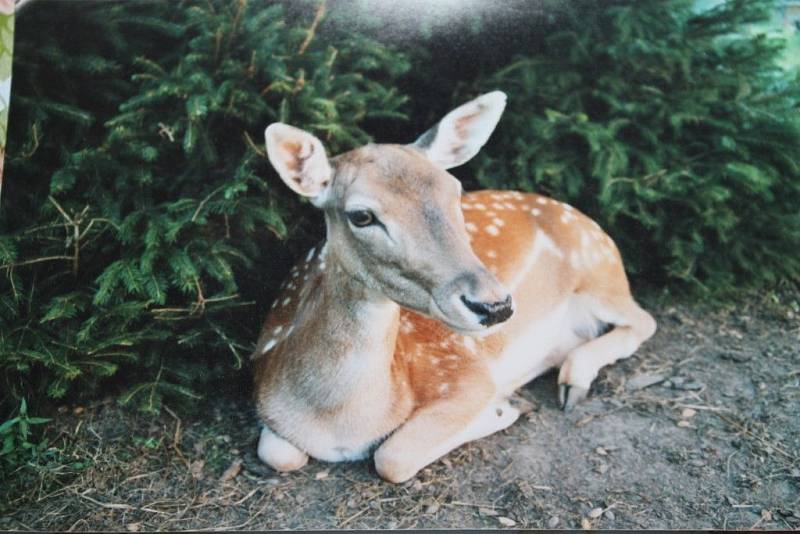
[[490, 312]]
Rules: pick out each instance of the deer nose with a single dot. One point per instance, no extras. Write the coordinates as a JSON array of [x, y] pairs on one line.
[[490, 313]]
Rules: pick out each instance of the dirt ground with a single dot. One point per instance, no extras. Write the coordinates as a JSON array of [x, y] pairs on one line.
[[700, 429]]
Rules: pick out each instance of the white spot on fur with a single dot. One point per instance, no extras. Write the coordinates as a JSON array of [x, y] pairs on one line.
[[322, 266], [466, 206], [536, 212], [480, 206], [434, 360], [541, 242], [470, 344], [471, 227], [541, 200], [310, 254], [277, 330], [526, 207], [491, 254], [509, 206], [566, 217], [574, 260], [286, 301], [492, 230], [444, 387], [498, 206], [498, 222], [271, 343]]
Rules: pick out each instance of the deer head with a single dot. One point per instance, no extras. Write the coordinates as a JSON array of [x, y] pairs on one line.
[[393, 214]]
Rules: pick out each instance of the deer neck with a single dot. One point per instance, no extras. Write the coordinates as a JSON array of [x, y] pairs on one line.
[[347, 336]]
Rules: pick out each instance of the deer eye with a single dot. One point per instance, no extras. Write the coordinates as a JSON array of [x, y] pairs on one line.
[[361, 218]]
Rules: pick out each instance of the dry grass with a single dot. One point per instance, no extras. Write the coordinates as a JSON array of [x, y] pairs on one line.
[[712, 445]]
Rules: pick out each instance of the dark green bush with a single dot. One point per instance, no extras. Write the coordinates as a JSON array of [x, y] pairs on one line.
[[675, 129], [141, 221]]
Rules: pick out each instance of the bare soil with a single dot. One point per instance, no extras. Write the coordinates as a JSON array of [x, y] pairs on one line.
[[699, 429]]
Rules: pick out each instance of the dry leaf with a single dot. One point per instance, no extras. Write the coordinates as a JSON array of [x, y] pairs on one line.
[[231, 472], [196, 469]]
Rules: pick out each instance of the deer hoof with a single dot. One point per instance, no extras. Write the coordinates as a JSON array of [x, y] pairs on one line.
[[569, 396]]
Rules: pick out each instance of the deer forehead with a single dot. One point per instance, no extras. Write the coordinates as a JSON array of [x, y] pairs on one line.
[[382, 175]]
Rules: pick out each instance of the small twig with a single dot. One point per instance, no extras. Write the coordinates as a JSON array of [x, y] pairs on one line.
[[354, 516], [113, 506], [203, 202], [699, 407], [37, 260], [313, 28], [261, 152]]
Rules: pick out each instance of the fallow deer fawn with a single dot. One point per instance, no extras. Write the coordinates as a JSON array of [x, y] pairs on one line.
[[425, 308]]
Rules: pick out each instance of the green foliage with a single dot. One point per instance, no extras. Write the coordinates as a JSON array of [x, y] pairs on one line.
[[142, 221], [674, 129], [16, 440]]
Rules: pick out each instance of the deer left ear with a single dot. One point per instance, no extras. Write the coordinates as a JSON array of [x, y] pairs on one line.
[[463, 131]]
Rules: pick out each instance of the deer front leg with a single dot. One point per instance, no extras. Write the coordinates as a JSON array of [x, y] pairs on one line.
[[437, 428], [278, 453]]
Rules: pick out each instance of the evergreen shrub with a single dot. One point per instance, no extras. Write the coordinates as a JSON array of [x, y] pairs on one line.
[[675, 129], [142, 227]]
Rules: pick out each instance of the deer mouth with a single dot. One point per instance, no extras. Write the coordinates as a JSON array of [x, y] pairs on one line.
[[468, 317]]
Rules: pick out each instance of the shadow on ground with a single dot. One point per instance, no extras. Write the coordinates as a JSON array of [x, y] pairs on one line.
[[698, 430]]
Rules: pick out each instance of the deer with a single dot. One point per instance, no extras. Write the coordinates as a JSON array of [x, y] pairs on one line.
[[404, 333]]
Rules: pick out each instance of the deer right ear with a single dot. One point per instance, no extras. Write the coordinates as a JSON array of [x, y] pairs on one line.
[[299, 158]]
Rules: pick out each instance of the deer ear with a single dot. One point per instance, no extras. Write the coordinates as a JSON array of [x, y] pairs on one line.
[[463, 131], [299, 159]]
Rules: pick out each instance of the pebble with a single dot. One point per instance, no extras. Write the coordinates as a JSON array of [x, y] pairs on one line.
[[488, 511], [601, 451], [602, 468], [609, 515], [643, 380], [688, 413], [433, 508], [506, 521], [553, 522], [736, 357], [684, 424], [677, 381], [594, 513], [321, 475], [692, 386]]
